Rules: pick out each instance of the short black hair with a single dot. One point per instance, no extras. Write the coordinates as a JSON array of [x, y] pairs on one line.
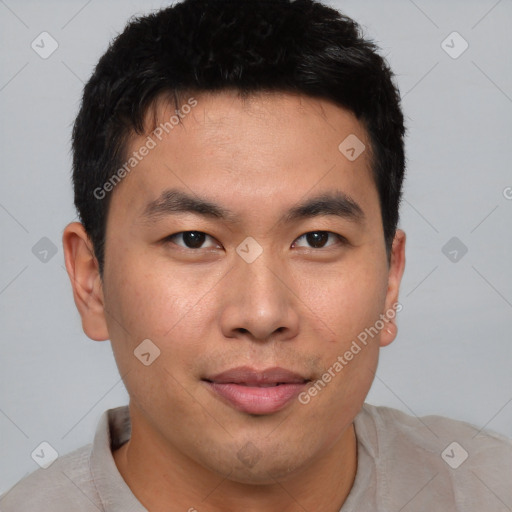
[[251, 46]]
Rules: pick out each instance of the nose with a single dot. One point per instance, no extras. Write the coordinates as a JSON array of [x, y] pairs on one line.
[[261, 303]]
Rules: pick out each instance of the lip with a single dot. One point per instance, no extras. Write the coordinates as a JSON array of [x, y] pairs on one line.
[[257, 391]]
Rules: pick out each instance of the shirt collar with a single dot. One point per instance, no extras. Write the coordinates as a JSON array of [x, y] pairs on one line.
[[114, 429]]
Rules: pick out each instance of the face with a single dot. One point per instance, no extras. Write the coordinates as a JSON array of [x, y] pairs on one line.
[[285, 267]]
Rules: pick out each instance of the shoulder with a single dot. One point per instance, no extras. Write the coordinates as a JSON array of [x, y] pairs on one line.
[[410, 428], [65, 485], [451, 463]]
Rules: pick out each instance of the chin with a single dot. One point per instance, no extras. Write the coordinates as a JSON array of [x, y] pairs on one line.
[[260, 476], [258, 470]]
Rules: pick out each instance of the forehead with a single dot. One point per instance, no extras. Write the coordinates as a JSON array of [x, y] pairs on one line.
[[254, 154]]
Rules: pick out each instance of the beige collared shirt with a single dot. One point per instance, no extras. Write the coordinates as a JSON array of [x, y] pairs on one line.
[[404, 464]]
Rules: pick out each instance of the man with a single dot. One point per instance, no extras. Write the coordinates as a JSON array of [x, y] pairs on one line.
[[238, 170]]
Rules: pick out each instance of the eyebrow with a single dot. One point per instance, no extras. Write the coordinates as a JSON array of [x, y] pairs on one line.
[[173, 201]]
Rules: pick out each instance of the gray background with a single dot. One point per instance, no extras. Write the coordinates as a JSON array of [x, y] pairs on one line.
[[453, 353]]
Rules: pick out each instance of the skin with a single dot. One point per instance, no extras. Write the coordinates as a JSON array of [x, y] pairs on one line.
[[296, 306]]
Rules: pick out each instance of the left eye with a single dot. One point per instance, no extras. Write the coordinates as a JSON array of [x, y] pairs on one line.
[[318, 239]]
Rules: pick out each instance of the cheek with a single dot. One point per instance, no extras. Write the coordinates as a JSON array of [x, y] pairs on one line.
[[346, 308], [147, 305], [148, 301], [346, 300]]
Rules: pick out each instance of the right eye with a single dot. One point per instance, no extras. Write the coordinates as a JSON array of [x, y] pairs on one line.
[[190, 239]]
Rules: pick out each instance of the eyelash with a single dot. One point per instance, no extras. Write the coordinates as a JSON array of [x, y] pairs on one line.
[[341, 240]]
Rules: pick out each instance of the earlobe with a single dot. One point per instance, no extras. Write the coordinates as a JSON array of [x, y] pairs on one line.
[[388, 334], [83, 272], [395, 273]]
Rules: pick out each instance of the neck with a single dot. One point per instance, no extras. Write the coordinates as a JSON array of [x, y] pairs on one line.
[[163, 479]]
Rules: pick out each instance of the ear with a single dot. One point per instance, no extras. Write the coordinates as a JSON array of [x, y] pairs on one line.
[[83, 270], [395, 272]]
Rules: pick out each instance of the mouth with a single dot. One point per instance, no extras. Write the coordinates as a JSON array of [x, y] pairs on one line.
[[257, 391]]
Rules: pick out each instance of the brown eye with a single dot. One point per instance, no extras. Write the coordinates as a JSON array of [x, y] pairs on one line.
[[319, 239], [190, 239]]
